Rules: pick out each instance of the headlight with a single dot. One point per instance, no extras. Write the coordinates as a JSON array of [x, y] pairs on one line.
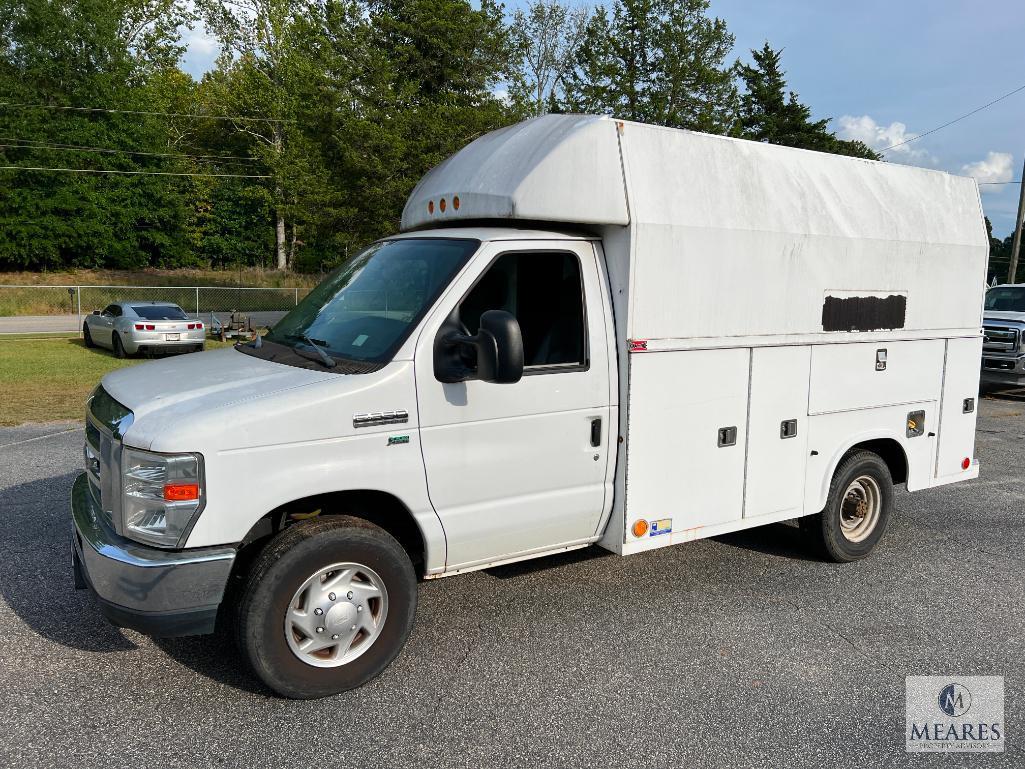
[[162, 495]]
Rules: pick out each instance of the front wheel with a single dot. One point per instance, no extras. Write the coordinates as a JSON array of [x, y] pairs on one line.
[[327, 606], [857, 510], [87, 338]]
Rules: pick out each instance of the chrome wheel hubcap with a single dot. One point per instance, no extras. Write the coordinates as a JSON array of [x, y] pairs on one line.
[[336, 615], [859, 510]]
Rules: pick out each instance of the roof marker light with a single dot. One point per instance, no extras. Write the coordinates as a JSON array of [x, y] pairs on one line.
[[430, 206], [455, 202], [441, 204]]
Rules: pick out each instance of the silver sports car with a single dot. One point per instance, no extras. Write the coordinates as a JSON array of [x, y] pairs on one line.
[[143, 327]]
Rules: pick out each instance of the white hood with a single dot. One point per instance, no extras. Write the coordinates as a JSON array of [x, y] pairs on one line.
[[191, 393]]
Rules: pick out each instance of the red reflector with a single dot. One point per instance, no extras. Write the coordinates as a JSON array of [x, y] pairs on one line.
[[181, 492], [138, 327], [966, 463], [150, 327], [637, 345]]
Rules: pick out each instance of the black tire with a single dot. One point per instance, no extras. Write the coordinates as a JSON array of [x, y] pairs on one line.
[[87, 338], [873, 478], [118, 348], [285, 564]]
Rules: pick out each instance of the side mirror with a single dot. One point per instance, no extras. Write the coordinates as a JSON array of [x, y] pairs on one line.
[[498, 345], [96, 312], [499, 348]]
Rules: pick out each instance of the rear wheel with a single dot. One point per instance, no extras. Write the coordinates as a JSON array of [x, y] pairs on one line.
[[119, 349], [87, 338], [327, 606], [857, 510]]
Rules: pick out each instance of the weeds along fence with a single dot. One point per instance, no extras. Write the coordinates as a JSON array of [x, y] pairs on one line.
[[80, 301]]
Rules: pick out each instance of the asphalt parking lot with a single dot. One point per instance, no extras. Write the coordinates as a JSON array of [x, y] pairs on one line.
[[740, 651]]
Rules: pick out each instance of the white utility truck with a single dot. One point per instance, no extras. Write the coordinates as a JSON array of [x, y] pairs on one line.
[[589, 332]]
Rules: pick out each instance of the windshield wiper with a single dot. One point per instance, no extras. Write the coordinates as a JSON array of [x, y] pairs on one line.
[[326, 359]]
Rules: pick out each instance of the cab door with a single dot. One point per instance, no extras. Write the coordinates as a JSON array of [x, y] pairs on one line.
[[519, 468]]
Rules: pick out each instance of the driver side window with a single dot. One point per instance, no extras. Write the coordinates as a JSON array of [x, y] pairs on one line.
[[111, 311], [543, 291]]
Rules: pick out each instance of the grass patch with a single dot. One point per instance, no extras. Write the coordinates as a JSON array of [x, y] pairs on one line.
[[48, 379]]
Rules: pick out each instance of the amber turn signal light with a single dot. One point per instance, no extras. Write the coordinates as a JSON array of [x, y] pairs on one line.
[[181, 492]]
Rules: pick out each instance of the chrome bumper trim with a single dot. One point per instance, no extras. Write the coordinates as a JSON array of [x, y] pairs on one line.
[[141, 578]]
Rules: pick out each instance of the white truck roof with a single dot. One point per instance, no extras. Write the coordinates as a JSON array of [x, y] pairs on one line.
[[713, 237]]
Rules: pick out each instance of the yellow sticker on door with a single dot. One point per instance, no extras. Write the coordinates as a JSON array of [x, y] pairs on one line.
[[661, 526]]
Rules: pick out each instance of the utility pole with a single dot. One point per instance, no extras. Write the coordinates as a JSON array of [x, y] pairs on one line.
[[1016, 243]]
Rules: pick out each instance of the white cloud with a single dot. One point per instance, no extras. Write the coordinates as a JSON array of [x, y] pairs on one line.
[[201, 43], [995, 167], [865, 129]]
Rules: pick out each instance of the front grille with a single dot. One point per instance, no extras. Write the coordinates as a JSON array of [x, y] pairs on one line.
[[105, 421], [997, 363], [1000, 338]]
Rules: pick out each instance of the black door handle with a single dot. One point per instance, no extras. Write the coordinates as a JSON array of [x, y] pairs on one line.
[[596, 432]]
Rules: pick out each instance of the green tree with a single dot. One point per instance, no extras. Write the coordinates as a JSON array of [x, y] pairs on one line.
[[88, 53], [546, 37], [768, 113], [408, 83], [656, 61], [267, 78]]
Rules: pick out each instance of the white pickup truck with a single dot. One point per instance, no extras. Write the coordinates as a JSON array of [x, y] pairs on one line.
[[589, 332], [1003, 327]]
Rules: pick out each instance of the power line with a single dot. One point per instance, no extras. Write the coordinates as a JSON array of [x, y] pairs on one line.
[[955, 120], [73, 148], [131, 173], [33, 144], [13, 105]]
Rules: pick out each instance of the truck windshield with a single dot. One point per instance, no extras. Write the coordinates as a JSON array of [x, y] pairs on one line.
[[365, 309], [1006, 299]]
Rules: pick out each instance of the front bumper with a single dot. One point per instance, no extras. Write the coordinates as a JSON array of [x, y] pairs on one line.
[[1003, 369], [157, 592]]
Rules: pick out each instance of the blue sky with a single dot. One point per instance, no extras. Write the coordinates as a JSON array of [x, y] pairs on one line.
[[885, 71]]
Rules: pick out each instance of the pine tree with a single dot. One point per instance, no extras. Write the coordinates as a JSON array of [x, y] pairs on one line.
[[768, 113], [656, 61]]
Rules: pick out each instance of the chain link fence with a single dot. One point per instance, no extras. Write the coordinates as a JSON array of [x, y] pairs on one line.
[[63, 308]]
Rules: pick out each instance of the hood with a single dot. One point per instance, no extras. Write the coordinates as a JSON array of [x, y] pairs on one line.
[[1003, 315], [225, 400], [168, 393], [217, 378]]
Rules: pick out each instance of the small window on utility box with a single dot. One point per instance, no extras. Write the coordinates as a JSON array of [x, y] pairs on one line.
[[543, 291]]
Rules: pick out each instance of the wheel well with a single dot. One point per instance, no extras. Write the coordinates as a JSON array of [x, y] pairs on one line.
[[891, 452], [378, 507]]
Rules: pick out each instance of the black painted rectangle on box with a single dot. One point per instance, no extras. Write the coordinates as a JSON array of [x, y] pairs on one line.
[[864, 313]]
